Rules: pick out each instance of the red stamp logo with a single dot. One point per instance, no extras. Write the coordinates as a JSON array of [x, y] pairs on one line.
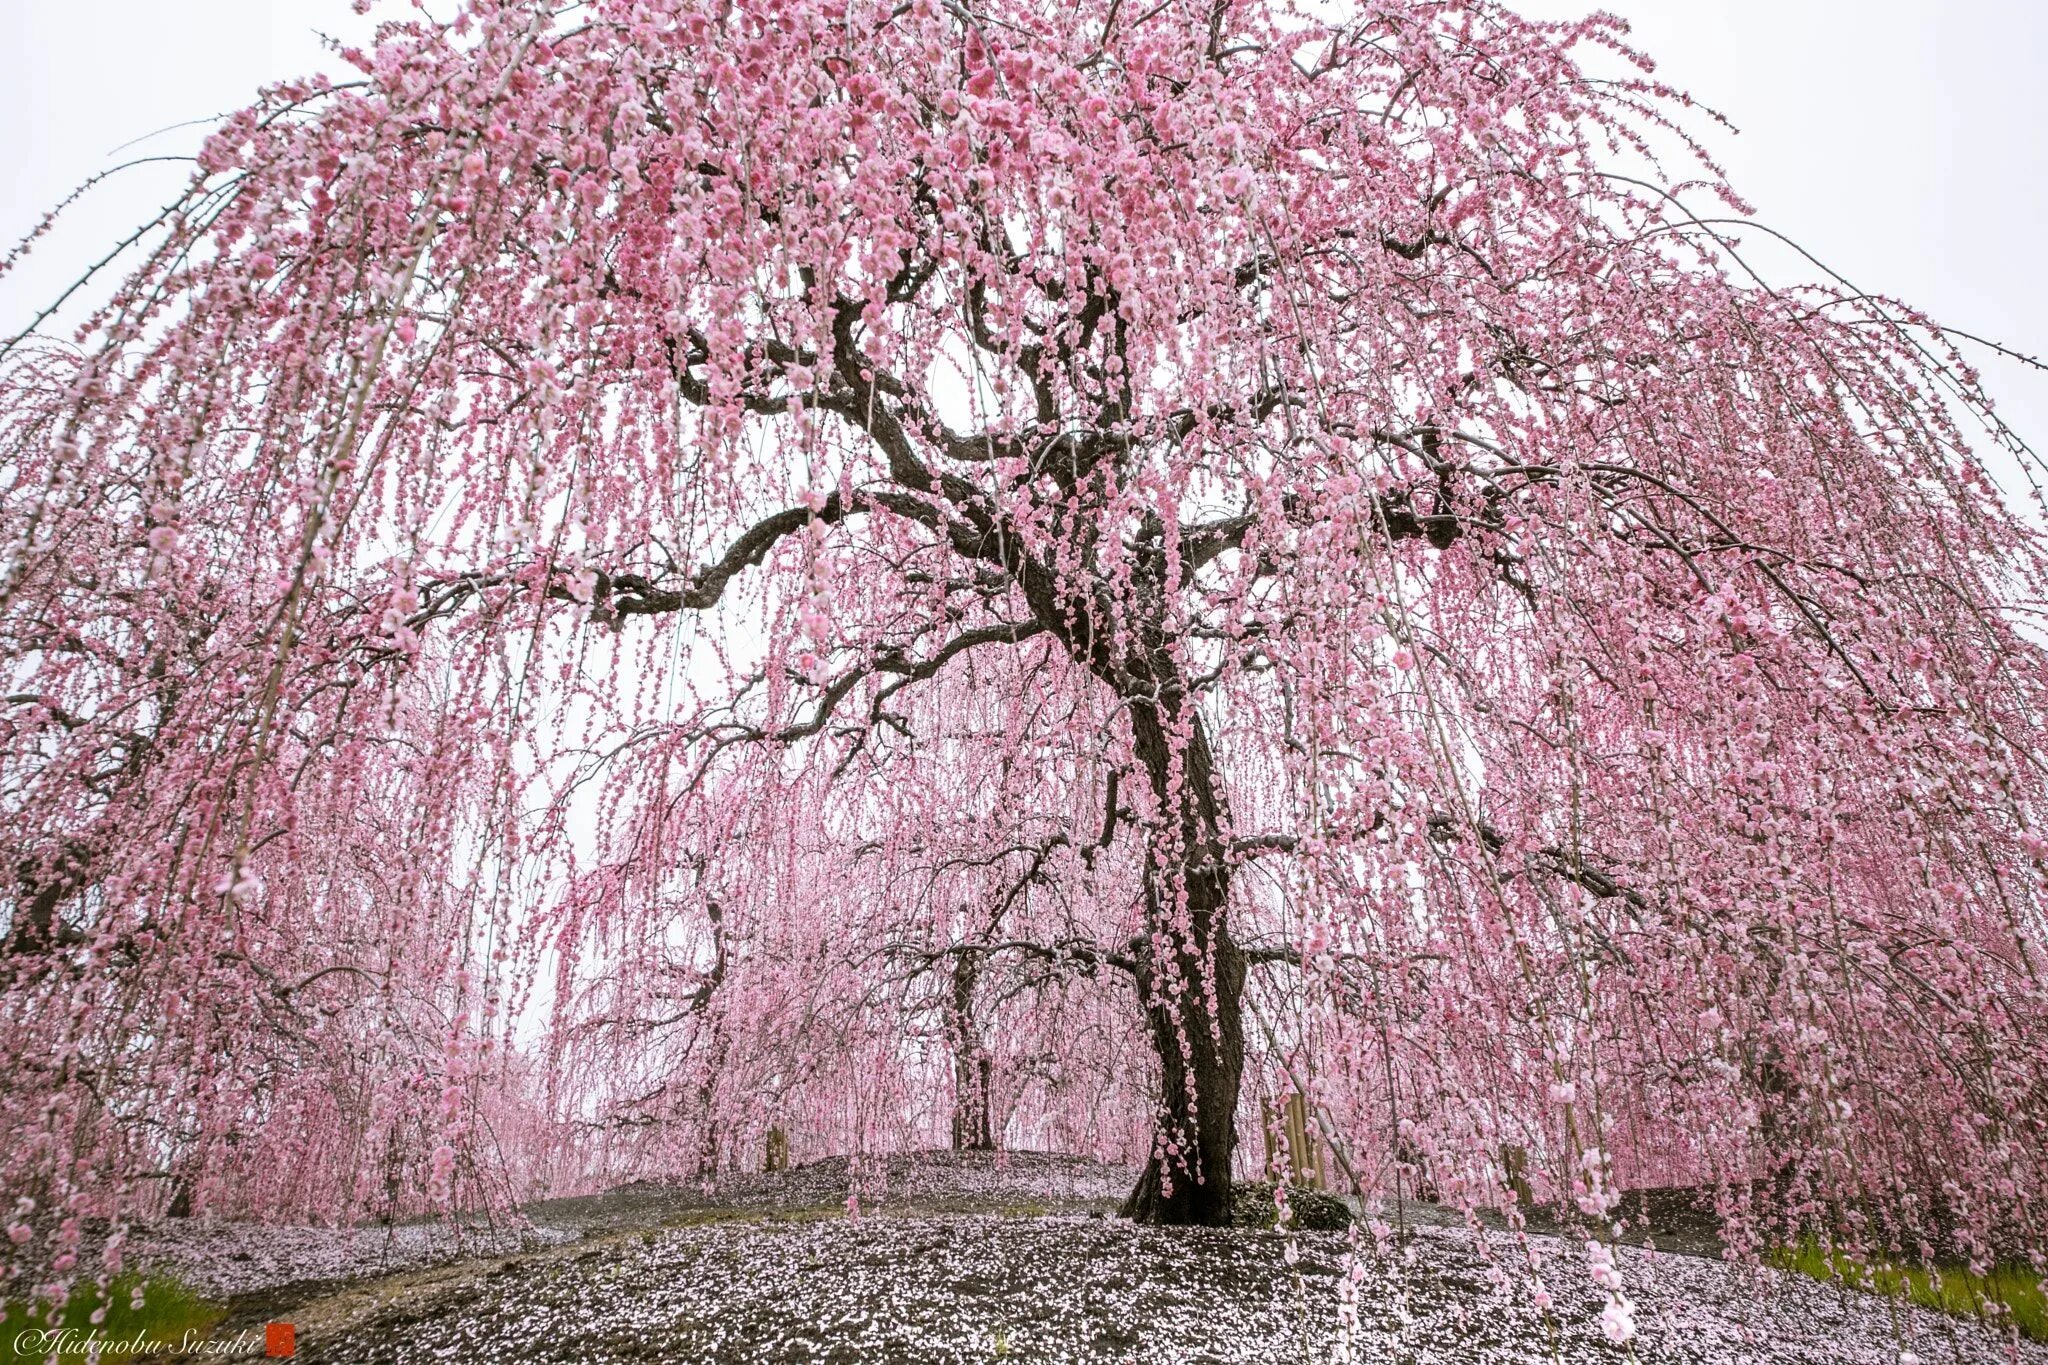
[[279, 1340]]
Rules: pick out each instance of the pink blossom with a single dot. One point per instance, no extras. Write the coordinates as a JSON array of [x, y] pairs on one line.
[[1618, 1321]]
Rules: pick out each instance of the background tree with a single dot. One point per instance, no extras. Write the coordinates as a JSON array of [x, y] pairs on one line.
[[1365, 523]]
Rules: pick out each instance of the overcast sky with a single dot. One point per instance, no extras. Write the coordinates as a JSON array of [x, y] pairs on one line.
[[1900, 140]]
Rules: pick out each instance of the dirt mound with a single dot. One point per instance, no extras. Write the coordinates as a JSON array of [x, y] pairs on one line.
[[1033, 1267]]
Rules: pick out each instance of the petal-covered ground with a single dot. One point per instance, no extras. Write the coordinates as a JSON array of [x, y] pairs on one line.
[[965, 1263], [981, 1288]]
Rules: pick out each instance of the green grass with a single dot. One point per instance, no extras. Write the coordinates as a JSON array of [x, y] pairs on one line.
[[169, 1310], [2010, 1293]]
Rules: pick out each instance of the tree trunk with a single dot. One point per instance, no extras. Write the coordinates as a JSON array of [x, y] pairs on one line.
[[972, 1067], [1199, 1037], [1193, 999], [972, 1130], [708, 1135]]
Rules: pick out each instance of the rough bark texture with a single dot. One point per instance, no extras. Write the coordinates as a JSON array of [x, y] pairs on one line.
[[972, 1067], [1193, 995], [1199, 1036]]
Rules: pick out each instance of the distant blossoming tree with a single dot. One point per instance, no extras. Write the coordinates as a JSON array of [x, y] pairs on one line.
[[882, 554]]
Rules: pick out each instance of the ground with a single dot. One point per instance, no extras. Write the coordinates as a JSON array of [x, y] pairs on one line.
[[1019, 1260]]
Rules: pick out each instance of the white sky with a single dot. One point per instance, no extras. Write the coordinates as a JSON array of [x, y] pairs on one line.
[[1902, 141]]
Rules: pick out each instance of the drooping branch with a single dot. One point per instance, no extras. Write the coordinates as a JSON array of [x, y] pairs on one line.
[[631, 594]]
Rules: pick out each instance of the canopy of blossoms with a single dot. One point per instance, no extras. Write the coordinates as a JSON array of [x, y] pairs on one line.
[[906, 573]]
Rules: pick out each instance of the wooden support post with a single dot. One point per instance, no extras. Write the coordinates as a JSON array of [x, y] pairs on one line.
[[1514, 1165]]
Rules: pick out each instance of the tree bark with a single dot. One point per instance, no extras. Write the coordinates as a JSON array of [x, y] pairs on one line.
[[1194, 1014], [1193, 997], [972, 1068]]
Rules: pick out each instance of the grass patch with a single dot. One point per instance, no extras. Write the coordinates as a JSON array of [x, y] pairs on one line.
[[697, 1218], [820, 1213], [169, 1311], [2009, 1294]]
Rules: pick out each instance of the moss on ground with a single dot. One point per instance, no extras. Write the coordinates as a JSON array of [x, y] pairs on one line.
[[1252, 1206], [2008, 1295], [169, 1312]]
